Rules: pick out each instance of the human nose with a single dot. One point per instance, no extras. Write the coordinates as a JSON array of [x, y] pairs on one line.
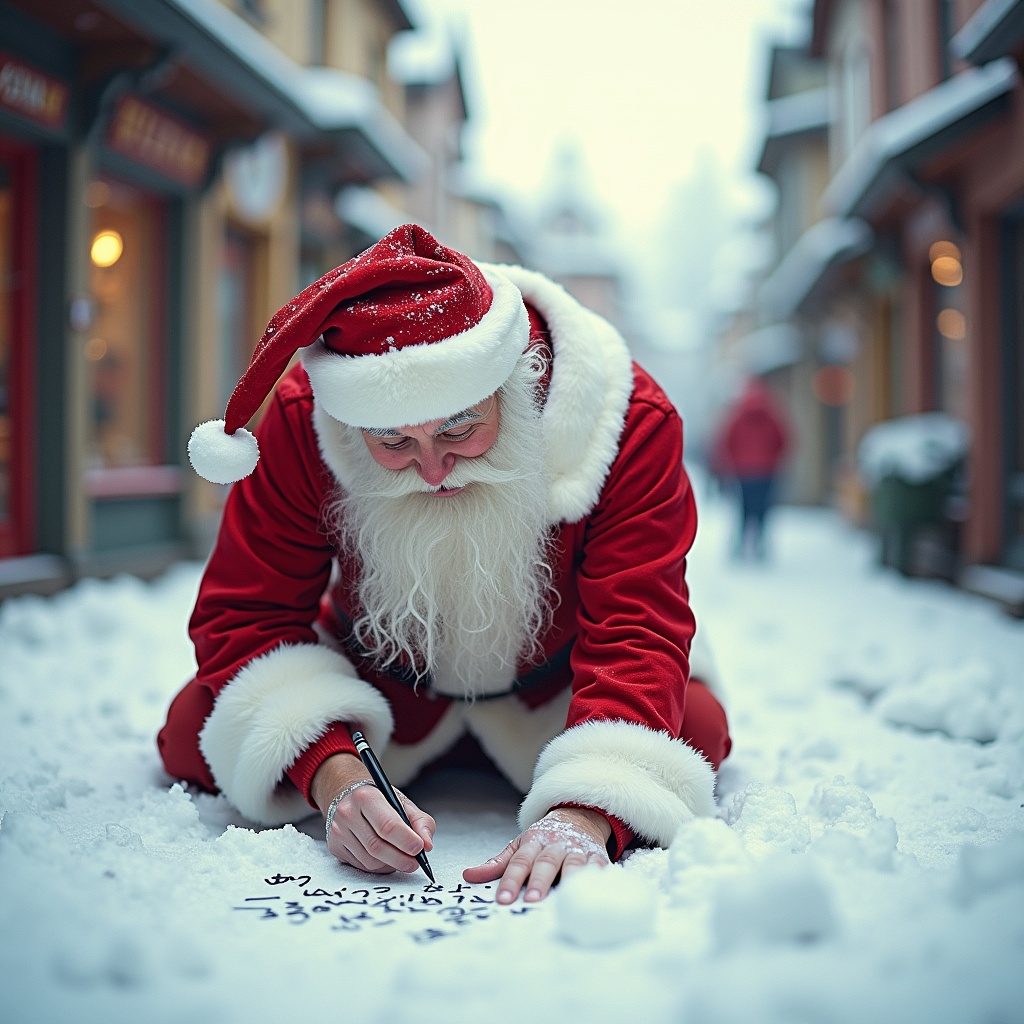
[[432, 464]]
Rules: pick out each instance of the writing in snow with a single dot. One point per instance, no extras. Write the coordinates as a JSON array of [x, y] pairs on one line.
[[434, 911]]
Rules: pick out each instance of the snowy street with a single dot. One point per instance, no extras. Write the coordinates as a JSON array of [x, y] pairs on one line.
[[867, 863]]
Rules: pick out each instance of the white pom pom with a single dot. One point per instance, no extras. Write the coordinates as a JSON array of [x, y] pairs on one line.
[[222, 458]]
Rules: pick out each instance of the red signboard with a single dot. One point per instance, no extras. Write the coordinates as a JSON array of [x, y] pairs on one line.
[[31, 94], [156, 140]]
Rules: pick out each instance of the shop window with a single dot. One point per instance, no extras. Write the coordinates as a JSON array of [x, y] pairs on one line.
[[950, 329], [1012, 246], [124, 352], [893, 54], [317, 32], [6, 346], [945, 21], [17, 292], [254, 10]]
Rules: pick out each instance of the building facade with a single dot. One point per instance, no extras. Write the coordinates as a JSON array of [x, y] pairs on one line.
[[916, 286], [783, 348], [168, 175]]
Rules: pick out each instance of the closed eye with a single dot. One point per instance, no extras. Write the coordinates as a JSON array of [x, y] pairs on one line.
[[457, 435], [395, 446]]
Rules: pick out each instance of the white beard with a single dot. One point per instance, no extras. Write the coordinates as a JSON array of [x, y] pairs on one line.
[[460, 586]]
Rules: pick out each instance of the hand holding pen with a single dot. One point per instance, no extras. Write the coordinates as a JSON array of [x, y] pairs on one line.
[[365, 827]]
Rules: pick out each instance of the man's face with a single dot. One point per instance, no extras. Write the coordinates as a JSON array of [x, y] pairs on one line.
[[433, 448]]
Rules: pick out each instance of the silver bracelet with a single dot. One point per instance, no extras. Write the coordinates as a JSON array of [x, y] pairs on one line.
[[337, 800]]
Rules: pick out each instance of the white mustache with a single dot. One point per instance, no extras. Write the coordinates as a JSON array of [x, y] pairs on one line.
[[403, 482]]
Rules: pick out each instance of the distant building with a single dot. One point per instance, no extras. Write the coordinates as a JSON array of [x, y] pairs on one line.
[[786, 347], [569, 242], [911, 283]]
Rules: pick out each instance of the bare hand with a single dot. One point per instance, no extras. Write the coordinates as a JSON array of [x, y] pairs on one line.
[[367, 832], [563, 841]]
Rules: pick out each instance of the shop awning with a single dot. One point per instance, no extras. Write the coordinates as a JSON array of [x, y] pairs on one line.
[[899, 142], [825, 245], [316, 106], [995, 30], [790, 118]]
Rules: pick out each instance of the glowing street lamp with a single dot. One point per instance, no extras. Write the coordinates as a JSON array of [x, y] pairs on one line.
[[106, 249]]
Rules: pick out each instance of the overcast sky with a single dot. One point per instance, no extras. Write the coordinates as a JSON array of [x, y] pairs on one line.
[[640, 85]]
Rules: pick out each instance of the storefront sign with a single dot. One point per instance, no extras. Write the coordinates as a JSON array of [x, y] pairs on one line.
[[159, 141], [31, 94]]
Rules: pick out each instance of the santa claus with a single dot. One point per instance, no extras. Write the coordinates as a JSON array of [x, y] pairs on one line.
[[464, 519]]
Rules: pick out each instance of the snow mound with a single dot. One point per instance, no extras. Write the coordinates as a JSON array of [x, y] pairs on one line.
[[986, 871], [967, 701], [785, 901], [598, 907], [703, 852], [767, 819], [855, 834], [914, 448]]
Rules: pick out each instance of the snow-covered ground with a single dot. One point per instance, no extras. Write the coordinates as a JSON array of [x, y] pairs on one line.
[[867, 863]]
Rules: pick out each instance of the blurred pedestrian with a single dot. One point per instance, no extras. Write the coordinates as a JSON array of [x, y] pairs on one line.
[[751, 446]]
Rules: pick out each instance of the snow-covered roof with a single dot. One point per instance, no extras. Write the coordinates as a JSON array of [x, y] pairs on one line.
[[826, 244], [793, 69], [903, 138], [994, 30], [422, 57], [306, 101], [801, 112], [368, 211], [335, 101], [771, 348], [913, 448], [792, 117]]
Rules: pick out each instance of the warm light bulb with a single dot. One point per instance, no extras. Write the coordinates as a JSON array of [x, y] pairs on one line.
[[952, 324], [944, 248], [106, 249], [947, 271]]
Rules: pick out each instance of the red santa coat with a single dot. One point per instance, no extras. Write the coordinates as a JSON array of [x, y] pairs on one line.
[[596, 723]]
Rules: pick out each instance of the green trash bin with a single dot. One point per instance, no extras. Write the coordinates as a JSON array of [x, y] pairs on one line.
[[913, 466], [899, 509]]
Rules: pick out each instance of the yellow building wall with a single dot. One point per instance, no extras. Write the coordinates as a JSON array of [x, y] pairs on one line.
[[356, 37], [276, 258], [286, 23]]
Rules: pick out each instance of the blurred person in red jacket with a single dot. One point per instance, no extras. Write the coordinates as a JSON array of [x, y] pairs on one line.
[[466, 521], [752, 445]]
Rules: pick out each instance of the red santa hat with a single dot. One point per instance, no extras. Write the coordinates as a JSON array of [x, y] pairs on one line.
[[407, 332]]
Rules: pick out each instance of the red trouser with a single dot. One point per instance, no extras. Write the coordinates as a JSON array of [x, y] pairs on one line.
[[704, 728]]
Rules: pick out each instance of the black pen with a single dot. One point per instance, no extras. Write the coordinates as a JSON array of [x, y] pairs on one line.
[[380, 780]]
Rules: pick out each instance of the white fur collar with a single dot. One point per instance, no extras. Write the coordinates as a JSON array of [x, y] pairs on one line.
[[591, 381]]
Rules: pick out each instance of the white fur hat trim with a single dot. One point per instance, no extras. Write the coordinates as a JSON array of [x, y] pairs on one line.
[[419, 383]]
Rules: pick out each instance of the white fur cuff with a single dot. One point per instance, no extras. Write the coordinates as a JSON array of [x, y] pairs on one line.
[[275, 708], [652, 782]]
